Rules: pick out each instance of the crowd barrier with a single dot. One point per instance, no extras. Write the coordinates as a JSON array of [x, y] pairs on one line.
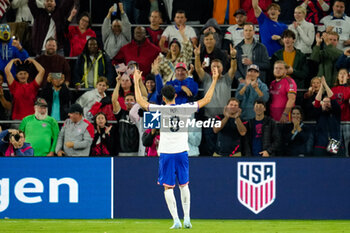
[[221, 188]]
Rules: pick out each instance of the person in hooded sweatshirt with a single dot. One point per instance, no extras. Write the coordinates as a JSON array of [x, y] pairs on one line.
[[10, 48]]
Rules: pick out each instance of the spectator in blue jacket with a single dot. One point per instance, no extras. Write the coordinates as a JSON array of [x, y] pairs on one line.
[[10, 48], [12, 144], [250, 90], [185, 87]]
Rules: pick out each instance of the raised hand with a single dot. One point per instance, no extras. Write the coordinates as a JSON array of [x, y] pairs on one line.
[[215, 74], [137, 75], [187, 91], [197, 50], [233, 51]]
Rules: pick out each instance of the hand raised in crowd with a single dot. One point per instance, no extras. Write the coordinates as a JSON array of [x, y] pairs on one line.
[[318, 39], [325, 38], [275, 37], [323, 81], [296, 24], [1, 92], [347, 52], [121, 7], [226, 112], [137, 75], [108, 129], [233, 51], [290, 70], [29, 60], [155, 65], [73, 13], [190, 71], [119, 77], [238, 113], [215, 74], [50, 154], [197, 50], [254, 84], [284, 119], [17, 44], [187, 91], [329, 29]]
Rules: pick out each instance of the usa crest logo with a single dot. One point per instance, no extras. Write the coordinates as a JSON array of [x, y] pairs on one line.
[[256, 183], [151, 120]]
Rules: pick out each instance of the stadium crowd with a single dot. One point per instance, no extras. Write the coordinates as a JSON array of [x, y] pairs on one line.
[[283, 87]]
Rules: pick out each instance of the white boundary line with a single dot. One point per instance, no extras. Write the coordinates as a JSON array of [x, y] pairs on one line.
[[112, 188]]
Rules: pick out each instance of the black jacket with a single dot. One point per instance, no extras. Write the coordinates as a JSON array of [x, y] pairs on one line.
[[64, 96], [270, 137]]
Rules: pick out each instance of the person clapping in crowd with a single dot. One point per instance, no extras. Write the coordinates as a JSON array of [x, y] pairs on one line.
[[102, 143]]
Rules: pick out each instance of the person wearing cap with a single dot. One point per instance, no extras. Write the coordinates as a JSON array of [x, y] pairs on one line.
[[178, 52], [57, 95], [222, 91], [173, 31], [250, 90], [115, 33], [283, 91], [185, 86], [140, 49], [41, 130], [24, 93], [251, 51], [76, 135], [234, 33], [269, 27]]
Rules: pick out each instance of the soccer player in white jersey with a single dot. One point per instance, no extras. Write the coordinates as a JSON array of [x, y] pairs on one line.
[[173, 144], [339, 22]]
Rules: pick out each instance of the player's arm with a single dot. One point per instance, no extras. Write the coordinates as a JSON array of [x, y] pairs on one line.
[[289, 105], [207, 98], [141, 101], [257, 9], [115, 95]]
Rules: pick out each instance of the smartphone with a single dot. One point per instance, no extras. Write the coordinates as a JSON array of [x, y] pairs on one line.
[[56, 75], [206, 61]]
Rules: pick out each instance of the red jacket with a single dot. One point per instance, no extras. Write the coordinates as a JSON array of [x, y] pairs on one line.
[[143, 54], [77, 40]]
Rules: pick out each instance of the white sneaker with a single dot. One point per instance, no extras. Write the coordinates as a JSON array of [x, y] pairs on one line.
[[176, 225], [187, 223]]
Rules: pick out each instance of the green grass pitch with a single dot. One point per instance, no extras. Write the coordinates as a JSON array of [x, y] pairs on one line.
[[162, 225]]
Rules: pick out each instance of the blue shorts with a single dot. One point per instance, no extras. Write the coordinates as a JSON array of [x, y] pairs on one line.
[[172, 166]]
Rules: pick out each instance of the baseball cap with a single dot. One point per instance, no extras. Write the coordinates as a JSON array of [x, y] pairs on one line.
[[253, 67], [181, 65], [75, 108], [240, 11], [41, 102]]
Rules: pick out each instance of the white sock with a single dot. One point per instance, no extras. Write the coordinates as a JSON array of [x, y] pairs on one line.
[[171, 202], [185, 200]]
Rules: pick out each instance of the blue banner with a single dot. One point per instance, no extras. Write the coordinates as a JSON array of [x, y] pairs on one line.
[[56, 188], [240, 188]]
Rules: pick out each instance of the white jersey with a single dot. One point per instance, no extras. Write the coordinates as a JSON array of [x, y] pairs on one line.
[[341, 26], [235, 34], [172, 32], [174, 128]]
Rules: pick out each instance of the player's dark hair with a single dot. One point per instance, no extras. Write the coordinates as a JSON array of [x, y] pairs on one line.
[[168, 92]]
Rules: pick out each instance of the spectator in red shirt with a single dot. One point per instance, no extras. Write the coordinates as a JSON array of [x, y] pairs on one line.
[[154, 32], [140, 49], [78, 35], [24, 94]]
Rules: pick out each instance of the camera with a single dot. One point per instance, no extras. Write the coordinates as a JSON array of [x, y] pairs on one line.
[[16, 137]]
